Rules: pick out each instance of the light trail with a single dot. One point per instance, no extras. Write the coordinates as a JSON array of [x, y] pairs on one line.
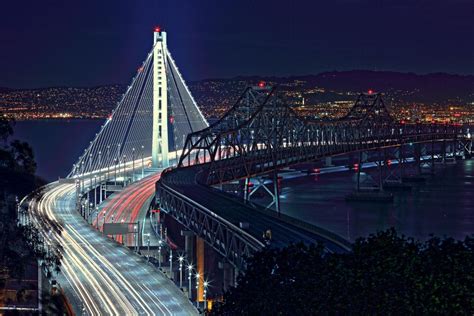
[[97, 274]]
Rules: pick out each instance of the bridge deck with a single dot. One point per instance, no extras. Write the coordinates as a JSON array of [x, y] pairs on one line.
[[235, 211]]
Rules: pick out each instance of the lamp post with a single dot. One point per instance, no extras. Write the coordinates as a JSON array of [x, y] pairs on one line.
[[206, 284], [108, 164], [89, 211], [97, 217], [197, 289], [171, 264], [103, 223], [135, 229], [143, 165], [113, 236], [124, 157], [148, 246], [95, 190], [115, 172], [100, 159], [159, 253], [180, 259], [190, 275]]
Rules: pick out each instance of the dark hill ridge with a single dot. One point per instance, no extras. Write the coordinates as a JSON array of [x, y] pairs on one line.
[[436, 87]]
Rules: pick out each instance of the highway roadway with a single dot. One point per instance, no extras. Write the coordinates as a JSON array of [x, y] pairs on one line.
[[128, 206], [99, 276], [234, 210]]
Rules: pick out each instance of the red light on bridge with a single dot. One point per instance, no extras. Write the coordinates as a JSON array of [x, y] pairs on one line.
[[140, 69], [261, 84], [157, 29], [370, 91]]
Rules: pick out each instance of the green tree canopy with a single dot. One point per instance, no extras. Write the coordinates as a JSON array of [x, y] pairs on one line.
[[385, 274]]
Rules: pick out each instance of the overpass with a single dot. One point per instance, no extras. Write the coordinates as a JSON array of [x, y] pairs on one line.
[[261, 134]]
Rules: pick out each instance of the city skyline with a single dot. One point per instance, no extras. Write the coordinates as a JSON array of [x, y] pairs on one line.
[[83, 45]]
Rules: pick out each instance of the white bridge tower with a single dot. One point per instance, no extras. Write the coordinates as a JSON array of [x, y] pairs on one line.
[[159, 151]]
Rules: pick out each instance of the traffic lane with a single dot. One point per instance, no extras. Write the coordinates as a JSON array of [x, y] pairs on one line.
[[137, 277], [134, 268]]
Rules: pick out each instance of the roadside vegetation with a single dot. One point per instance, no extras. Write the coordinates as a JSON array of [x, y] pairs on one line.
[[385, 274]]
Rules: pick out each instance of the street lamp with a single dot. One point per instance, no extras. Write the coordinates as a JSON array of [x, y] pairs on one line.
[[180, 259], [124, 158], [97, 217], [190, 274], [143, 165], [89, 211], [197, 289], [135, 229], [148, 246], [113, 236], [159, 253], [133, 164], [103, 223], [206, 284], [171, 264]]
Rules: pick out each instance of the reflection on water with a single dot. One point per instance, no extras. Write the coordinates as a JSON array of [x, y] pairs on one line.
[[443, 206]]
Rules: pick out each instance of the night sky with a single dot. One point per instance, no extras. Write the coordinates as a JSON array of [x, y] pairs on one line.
[[87, 43]]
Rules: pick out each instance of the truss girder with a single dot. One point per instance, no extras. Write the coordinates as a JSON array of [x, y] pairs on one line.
[[227, 239], [262, 133]]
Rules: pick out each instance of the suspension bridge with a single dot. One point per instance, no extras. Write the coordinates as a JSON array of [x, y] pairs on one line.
[[156, 128]]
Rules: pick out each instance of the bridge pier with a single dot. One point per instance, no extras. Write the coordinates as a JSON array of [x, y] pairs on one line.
[[250, 189], [394, 172], [228, 275], [188, 244]]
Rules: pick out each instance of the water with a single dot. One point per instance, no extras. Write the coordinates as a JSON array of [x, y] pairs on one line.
[[442, 206], [57, 144]]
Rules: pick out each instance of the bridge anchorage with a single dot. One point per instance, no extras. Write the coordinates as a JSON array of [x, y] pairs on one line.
[[262, 134]]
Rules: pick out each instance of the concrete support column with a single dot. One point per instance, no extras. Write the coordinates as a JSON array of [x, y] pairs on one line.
[[188, 244], [200, 267], [228, 275], [328, 162]]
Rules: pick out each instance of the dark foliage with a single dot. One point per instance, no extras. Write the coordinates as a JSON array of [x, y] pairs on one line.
[[385, 274]]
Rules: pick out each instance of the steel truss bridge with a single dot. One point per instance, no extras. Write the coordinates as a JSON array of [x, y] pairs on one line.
[[262, 134]]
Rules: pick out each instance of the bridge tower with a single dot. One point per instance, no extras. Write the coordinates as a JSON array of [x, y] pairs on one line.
[[159, 151]]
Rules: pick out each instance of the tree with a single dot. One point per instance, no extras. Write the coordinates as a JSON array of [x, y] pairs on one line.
[[6, 129], [23, 156], [384, 273]]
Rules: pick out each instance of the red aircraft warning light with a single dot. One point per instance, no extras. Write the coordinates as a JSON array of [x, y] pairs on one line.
[[157, 29], [370, 91], [261, 84]]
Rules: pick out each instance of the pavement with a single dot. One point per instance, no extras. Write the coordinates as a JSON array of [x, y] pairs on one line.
[[100, 276]]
